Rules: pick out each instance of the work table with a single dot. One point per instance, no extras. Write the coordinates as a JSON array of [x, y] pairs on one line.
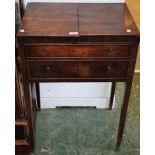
[[66, 42]]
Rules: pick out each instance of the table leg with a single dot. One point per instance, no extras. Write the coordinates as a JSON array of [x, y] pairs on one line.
[[112, 95], [123, 114], [38, 95]]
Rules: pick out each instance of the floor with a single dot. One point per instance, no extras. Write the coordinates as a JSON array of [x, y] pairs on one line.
[[89, 131]]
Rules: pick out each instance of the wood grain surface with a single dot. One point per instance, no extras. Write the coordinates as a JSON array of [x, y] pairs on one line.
[[84, 19], [75, 29]]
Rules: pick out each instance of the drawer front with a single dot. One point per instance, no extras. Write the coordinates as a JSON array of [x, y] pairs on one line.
[[78, 51], [77, 69]]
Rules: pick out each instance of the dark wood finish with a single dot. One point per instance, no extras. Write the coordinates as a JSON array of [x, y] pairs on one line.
[[80, 51], [112, 95], [19, 132], [77, 69], [29, 100], [22, 147], [46, 19], [21, 4], [30, 116], [77, 42], [38, 95], [21, 122], [20, 106], [124, 108], [19, 102], [105, 19], [22, 128]]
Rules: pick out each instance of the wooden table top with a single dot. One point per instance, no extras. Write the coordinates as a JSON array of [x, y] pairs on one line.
[[70, 19]]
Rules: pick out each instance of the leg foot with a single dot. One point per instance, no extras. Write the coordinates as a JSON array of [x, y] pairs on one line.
[[123, 113]]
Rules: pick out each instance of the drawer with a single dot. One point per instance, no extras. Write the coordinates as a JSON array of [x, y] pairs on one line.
[[77, 69], [78, 51]]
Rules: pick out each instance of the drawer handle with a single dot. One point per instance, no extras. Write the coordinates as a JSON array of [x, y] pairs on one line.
[[108, 69], [48, 69], [109, 50], [46, 49]]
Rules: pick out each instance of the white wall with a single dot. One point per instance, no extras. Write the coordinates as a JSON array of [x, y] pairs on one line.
[[75, 94]]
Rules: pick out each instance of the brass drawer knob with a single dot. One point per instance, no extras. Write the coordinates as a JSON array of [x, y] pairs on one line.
[[108, 68], [48, 69], [46, 49], [109, 50]]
